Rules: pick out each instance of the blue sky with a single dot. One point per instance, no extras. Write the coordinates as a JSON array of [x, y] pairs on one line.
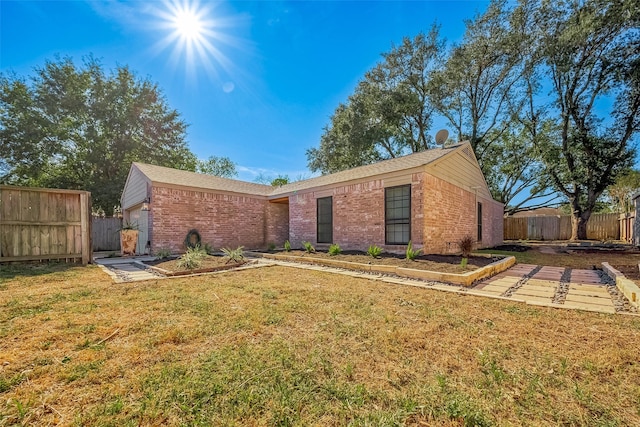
[[272, 76]]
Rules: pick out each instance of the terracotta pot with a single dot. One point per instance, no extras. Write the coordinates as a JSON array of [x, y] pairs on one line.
[[128, 241]]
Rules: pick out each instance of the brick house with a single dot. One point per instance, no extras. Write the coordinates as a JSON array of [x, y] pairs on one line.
[[433, 198]]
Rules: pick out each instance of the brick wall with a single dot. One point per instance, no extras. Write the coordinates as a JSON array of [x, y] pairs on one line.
[[450, 214], [222, 220], [441, 215], [277, 223], [494, 218], [358, 215]]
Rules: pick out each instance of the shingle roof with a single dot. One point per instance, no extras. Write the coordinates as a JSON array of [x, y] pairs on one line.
[[165, 175], [409, 161]]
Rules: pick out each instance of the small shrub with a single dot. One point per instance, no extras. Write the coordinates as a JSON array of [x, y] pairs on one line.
[[192, 259], [208, 249], [335, 249], [271, 246], [466, 245], [128, 225], [308, 247], [287, 246], [163, 253], [412, 254], [374, 251], [235, 255]]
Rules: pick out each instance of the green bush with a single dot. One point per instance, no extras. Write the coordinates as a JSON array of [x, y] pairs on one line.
[[208, 249], [308, 247], [235, 255], [335, 249], [287, 246], [374, 251], [163, 253], [411, 254], [271, 246], [192, 259]]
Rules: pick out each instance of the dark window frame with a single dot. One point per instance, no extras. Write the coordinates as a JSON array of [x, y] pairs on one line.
[[479, 220], [397, 221], [324, 221]]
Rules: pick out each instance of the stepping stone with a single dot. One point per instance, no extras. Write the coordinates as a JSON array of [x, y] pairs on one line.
[[546, 283], [494, 288], [590, 307], [533, 287], [504, 282], [591, 300], [532, 298], [489, 291], [524, 291], [583, 291]]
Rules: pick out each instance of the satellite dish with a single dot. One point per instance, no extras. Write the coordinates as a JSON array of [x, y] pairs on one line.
[[441, 136]]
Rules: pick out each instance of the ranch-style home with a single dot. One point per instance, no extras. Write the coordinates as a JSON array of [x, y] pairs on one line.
[[433, 198]]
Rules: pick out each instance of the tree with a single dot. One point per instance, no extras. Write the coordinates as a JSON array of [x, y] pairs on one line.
[[591, 51], [482, 92], [280, 180], [277, 181], [620, 193], [80, 128], [388, 115], [218, 166]]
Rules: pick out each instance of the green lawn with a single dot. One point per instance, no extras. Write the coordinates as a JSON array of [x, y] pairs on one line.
[[280, 346]]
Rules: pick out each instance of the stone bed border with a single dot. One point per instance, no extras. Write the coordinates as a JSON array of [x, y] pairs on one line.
[[465, 279], [628, 287], [170, 273]]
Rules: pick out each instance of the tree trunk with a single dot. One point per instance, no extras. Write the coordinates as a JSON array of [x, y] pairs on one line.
[[579, 222]]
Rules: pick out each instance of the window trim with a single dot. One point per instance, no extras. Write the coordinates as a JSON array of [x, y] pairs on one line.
[[386, 221], [479, 221], [330, 222]]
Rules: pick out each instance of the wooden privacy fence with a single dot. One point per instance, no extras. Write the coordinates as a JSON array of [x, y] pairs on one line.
[[44, 224], [626, 226], [105, 233], [558, 227]]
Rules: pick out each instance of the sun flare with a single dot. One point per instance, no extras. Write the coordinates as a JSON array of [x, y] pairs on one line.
[[189, 25], [193, 35]]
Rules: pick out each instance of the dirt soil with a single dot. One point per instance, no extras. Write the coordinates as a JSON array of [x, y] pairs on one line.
[[569, 256], [630, 271], [207, 263], [440, 263]]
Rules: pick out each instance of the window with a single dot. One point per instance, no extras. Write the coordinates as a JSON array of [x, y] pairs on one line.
[[397, 214], [325, 220], [479, 222]]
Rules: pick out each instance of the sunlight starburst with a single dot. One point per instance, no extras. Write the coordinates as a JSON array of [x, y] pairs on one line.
[[193, 37]]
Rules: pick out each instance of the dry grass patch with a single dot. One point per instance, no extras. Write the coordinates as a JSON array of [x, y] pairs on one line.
[[279, 346]]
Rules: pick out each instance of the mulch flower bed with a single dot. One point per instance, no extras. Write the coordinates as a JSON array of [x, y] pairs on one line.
[[439, 263], [211, 263]]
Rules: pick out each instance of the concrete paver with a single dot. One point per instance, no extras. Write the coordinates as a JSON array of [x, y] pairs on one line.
[[524, 291], [540, 284]]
